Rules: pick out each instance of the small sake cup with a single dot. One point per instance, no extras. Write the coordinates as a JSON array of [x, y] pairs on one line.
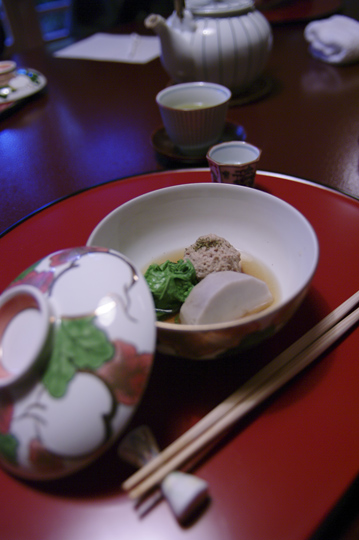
[[234, 162], [194, 114]]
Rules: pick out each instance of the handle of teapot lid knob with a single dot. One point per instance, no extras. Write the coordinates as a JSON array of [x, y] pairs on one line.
[[25, 332], [179, 8]]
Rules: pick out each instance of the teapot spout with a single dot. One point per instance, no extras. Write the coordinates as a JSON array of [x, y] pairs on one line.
[[156, 23], [176, 54]]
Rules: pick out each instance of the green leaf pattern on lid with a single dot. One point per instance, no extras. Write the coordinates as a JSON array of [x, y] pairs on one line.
[[79, 345]]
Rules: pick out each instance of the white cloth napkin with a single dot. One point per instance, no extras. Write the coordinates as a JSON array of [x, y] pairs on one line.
[[334, 40], [132, 48]]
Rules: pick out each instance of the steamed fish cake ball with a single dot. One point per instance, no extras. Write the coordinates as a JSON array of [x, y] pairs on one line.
[[224, 296], [211, 253]]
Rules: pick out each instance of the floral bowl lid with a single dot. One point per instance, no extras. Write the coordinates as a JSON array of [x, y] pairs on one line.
[[77, 340]]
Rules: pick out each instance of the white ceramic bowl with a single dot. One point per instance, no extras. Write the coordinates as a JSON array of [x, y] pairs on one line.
[[259, 225], [194, 114]]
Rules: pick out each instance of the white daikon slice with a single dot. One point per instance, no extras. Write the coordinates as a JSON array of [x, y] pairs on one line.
[[224, 296]]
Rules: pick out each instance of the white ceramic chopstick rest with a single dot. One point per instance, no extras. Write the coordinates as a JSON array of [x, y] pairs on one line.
[[185, 493]]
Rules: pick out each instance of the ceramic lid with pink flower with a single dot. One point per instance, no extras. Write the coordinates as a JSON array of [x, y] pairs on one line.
[[77, 339]]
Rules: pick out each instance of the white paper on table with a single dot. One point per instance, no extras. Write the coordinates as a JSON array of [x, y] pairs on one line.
[[130, 48]]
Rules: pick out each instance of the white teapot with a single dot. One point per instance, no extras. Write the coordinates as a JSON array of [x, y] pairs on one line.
[[222, 41]]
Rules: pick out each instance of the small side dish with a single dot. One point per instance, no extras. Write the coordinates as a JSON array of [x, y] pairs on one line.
[[277, 245]]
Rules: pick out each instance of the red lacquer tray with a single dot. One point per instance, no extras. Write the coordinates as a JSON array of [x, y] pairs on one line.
[[278, 474]]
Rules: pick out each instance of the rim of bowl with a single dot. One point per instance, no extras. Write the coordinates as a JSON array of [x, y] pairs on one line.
[[214, 86], [14, 301], [244, 144], [246, 318], [7, 66]]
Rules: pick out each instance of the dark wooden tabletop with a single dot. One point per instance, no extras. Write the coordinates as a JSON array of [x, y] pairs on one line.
[[95, 120]]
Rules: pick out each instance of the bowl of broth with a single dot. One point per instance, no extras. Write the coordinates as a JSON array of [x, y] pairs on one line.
[[276, 243]]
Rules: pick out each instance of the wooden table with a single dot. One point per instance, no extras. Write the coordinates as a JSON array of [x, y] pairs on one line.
[[94, 125], [95, 122]]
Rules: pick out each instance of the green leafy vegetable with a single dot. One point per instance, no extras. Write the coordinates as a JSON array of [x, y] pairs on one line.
[[170, 284]]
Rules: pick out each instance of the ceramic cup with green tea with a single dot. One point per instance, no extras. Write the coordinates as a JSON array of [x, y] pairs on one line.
[[194, 114]]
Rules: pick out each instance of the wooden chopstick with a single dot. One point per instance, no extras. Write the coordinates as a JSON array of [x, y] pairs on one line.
[[252, 393]]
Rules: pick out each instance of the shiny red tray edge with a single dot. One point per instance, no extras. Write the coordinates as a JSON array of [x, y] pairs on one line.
[[270, 174], [311, 183]]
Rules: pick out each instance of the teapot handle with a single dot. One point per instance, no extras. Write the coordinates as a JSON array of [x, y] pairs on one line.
[[25, 331]]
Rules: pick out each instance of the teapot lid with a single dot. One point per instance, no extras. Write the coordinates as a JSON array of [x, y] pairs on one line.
[[219, 8]]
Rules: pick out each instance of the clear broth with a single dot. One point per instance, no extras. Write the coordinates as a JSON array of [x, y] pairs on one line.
[[250, 266]]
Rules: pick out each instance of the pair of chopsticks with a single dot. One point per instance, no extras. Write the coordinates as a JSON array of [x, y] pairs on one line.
[[267, 381]]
